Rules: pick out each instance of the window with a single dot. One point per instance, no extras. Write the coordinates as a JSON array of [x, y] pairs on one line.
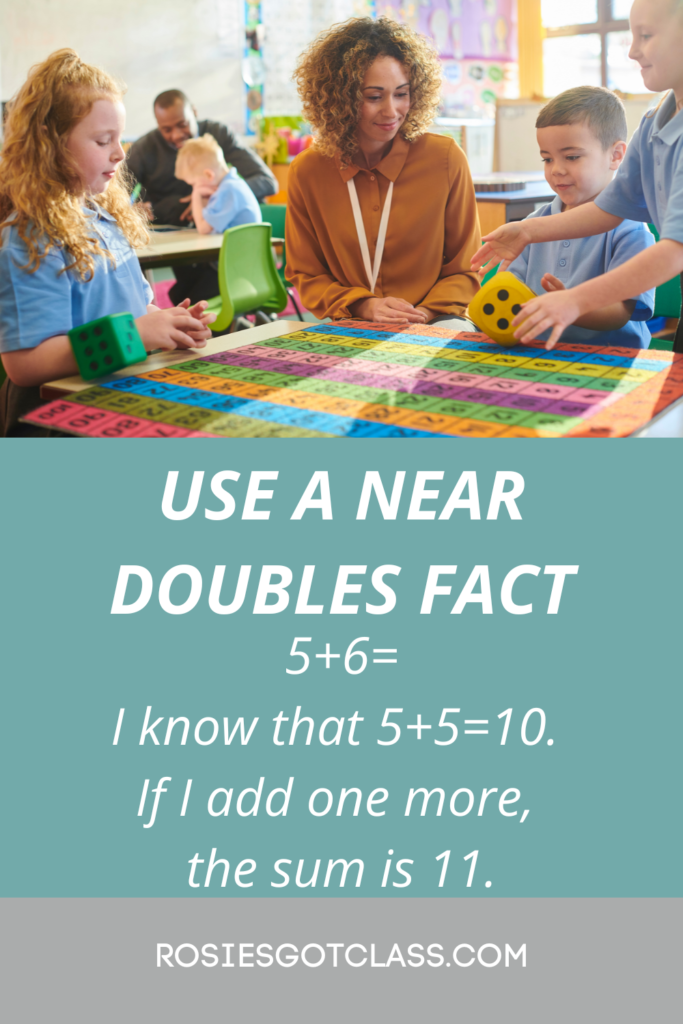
[[587, 43]]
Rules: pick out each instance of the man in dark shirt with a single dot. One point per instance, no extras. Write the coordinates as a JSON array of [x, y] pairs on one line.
[[152, 159]]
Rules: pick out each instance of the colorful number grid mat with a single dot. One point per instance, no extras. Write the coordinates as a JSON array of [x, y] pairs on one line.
[[354, 379]]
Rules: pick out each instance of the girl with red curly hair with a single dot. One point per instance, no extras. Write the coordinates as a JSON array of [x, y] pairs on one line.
[[67, 228], [381, 216]]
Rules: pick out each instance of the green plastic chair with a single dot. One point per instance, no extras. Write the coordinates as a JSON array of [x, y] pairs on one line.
[[247, 277], [275, 215]]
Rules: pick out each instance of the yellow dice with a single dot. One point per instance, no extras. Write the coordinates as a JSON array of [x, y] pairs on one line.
[[496, 305]]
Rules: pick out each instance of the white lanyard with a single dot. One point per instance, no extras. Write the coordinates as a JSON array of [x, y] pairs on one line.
[[372, 272]]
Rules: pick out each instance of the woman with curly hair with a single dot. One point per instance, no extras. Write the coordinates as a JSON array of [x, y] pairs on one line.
[[66, 231], [381, 216]]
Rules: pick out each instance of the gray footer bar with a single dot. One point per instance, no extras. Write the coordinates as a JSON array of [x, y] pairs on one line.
[[549, 960]]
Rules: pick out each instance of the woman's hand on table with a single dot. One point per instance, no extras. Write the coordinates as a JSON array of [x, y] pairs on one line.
[[179, 327], [502, 246], [389, 310]]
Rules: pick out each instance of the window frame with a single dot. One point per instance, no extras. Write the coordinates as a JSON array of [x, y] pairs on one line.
[[604, 25]]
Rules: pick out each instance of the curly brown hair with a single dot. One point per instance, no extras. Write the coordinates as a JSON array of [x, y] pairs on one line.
[[330, 75], [40, 190]]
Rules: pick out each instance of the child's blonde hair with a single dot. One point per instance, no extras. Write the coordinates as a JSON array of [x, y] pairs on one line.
[[40, 188], [197, 154]]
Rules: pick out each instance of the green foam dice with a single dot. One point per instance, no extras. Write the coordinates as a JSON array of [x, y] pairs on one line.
[[106, 345]]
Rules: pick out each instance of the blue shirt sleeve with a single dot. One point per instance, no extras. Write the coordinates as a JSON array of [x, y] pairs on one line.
[[147, 290], [222, 207], [672, 225], [630, 239], [33, 306], [51, 301], [624, 196], [232, 204]]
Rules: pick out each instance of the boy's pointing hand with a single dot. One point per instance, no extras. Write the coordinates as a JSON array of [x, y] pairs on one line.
[[502, 245]]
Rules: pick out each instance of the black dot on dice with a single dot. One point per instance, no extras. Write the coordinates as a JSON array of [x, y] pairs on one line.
[[93, 365], [89, 350], [83, 335], [129, 349], [488, 309], [502, 324], [503, 295], [516, 308], [108, 360], [98, 331]]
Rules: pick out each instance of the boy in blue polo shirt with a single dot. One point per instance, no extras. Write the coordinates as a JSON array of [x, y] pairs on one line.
[[220, 199], [581, 134], [649, 187]]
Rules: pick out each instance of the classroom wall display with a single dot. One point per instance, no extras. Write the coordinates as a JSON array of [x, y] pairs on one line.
[[477, 43], [253, 70], [464, 29], [338, 733], [476, 40], [471, 88]]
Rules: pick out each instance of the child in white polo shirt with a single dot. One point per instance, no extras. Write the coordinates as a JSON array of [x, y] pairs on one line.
[[220, 198], [581, 135]]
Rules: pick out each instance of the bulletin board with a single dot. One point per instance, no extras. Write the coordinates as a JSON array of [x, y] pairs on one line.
[[461, 29], [477, 43]]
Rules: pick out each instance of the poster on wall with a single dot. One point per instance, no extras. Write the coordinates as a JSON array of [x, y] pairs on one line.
[[482, 29], [477, 43]]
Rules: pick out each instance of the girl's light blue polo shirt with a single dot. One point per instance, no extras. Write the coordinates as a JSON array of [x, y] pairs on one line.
[[649, 184], [582, 259], [34, 307], [233, 203]]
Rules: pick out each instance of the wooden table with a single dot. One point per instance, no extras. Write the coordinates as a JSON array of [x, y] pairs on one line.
[[223, 343], [178, 247]]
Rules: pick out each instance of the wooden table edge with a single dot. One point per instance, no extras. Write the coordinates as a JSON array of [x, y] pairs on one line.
[[223, 343]]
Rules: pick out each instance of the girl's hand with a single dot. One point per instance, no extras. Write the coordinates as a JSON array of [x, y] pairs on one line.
[[198, 311], [389, 310], [171, 328], [501, 246], [552, 283], [555, 311]]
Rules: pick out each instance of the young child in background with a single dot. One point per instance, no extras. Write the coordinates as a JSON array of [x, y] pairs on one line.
[[648, 187], [67, 228], [582, 138], [220, 199]]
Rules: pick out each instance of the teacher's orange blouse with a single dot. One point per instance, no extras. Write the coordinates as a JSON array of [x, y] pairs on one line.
[[433, 228]]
